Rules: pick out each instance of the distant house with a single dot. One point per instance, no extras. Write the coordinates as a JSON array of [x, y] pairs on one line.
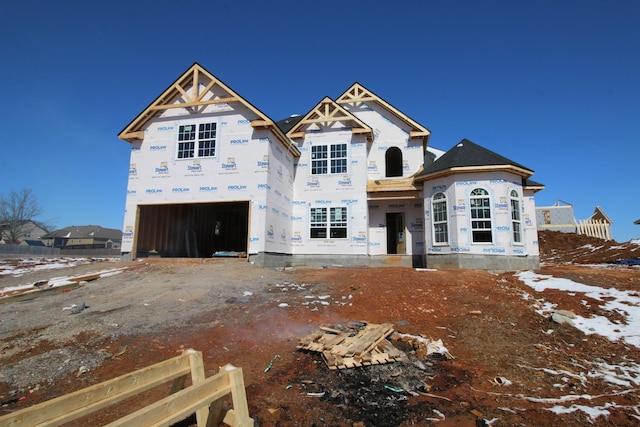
[[352, 181], [597, 225], [558, 217], [599, 215], [29, 231], [84, 237]]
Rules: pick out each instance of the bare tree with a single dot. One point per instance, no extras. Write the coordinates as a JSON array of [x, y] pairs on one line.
[[16, 208]]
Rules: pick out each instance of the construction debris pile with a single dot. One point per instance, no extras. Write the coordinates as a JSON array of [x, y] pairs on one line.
[[389, 368], [363, 344]]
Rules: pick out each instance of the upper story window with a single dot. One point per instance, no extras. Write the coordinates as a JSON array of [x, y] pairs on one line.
[[393, 162], [328, 159], [480, 206], [439, 219], [516, 223], [328, 223], [197, 140]]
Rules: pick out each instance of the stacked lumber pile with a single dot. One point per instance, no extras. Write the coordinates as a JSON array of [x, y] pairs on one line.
[[354, 345]]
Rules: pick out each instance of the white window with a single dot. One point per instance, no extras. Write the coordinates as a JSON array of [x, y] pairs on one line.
[[439, 219], [318, 159], [201, 136], [516, 224], [480, 206], [329, 159], [333, 226]]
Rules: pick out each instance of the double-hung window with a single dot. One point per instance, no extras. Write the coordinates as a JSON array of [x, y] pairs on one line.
[[328, 159], [338, 158], [195, 141], [318, 159], [516, 223], [328, 223], [480, 216], [439, 219]]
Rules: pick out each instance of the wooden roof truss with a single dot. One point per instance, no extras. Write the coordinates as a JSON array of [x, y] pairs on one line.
[[326, 113], [194, 91], [357, 94]]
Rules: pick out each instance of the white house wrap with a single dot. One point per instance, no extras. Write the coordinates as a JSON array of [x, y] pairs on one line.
[[353, 181]]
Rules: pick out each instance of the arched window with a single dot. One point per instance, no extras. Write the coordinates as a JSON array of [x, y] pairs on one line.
[[516, 223], [439, 219], [480, 206], [393, 162]]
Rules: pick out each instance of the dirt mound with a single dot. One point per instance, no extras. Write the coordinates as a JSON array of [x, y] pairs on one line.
[[557, 247]]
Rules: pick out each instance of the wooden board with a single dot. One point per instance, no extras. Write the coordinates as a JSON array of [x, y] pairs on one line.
[[353, 347]]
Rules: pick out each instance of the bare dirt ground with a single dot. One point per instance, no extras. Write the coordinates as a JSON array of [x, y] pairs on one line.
[[234, 312]]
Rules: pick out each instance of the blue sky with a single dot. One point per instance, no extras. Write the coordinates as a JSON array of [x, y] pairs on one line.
[[552, 85]]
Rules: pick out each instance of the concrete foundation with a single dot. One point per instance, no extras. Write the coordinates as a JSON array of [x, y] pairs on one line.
[[483, 262], [276, 260]]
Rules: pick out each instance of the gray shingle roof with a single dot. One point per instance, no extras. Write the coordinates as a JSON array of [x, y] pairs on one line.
[[85, 231], [468, 154], [285, 125]]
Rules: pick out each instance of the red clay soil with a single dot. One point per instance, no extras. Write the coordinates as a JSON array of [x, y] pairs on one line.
[[483, 318]]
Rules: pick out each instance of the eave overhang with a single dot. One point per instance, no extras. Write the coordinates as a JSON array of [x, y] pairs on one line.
[[525, 173], [534, 188]]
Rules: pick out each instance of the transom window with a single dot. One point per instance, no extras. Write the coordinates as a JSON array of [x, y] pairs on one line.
[[480, 206], [439, 218], [202, 136], [516, 223], [334, 226], [328, 159]]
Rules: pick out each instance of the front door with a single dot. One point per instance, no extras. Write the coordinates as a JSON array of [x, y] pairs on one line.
[[395, 233]]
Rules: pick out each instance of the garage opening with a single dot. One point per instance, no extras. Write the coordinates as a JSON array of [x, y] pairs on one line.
[[193, 230]]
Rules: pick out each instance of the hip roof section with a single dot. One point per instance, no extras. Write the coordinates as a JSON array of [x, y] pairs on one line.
[[466, 157]]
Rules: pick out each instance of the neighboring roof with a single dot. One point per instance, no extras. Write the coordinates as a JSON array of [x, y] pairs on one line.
[[85, 231], [23, 223], [467, 156], [328, 111], [32, 242], [358, 93], [185, 93]]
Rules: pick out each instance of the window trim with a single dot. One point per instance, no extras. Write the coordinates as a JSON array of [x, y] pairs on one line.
[[484, 196], [516, 223], [435, 200], [197, 147], [329, 223]]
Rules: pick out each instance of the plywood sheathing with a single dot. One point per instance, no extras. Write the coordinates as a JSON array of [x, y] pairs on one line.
[[362, 345]]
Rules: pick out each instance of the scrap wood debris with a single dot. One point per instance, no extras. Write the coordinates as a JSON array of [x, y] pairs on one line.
[[8, 294], [363, 344]]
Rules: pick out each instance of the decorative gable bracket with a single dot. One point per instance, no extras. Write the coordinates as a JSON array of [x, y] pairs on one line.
[[358, 94], [326, 113]]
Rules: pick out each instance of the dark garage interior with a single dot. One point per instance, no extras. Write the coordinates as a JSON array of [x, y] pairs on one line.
[[193, 230]]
